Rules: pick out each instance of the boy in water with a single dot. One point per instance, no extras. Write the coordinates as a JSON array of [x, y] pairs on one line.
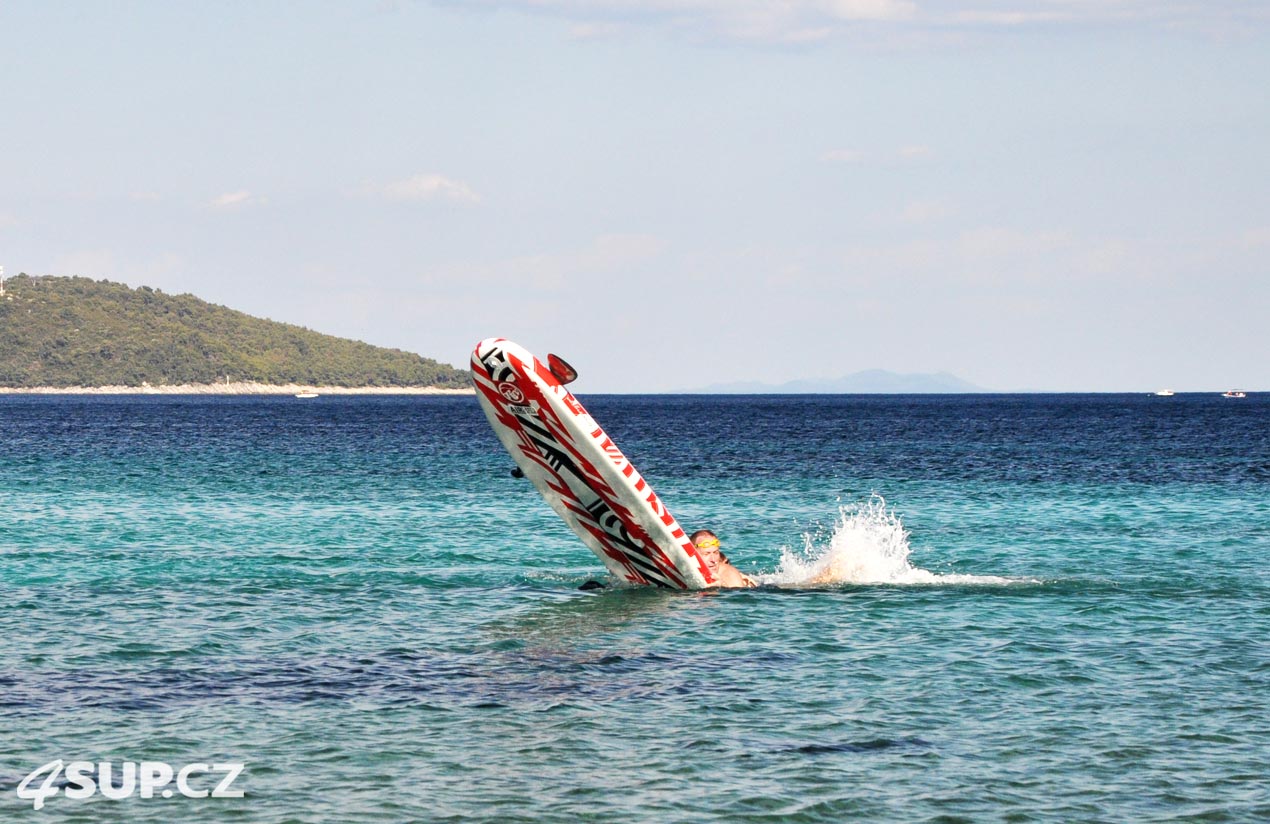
[[724, 574]]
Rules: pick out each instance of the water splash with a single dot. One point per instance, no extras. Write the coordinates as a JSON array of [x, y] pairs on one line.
[[869, 545]]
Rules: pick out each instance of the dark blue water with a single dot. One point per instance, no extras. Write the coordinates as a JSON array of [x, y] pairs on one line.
[[1059, 611]]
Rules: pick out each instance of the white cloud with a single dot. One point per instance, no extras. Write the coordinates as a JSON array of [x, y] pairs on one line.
[[594, 31], [163, 270], [914, 152], [1009, 17], [556, 271], [792, 21], [995, 242], [989, 256], [868, 9], [803, 21], [1109, 258], [903, 154], [605, 254], [1044, 263], [786, 21], [925, 211], [842, 156], [89, 263], [429, 187], [231, 200], [1257, 238]]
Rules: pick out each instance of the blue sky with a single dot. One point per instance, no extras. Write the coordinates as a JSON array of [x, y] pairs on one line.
[[1065, 195]]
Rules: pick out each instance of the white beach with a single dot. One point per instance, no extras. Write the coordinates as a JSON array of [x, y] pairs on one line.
[[232, 389]]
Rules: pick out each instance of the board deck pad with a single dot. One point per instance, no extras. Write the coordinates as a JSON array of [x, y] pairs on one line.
[[580, 472]]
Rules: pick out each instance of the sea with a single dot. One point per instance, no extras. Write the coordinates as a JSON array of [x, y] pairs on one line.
[[1041, 608]]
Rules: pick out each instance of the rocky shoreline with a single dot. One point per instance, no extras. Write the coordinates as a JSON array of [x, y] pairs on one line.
[[232, 389]]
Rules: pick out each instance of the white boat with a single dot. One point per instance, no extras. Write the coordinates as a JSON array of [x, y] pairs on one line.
[[1165, 393], [1234, 393], [306, 395]]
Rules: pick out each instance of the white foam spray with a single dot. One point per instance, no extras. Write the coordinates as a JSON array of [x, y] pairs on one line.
[[869, 545]]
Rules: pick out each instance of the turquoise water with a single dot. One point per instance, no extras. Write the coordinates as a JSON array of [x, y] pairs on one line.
[[1059, 612]]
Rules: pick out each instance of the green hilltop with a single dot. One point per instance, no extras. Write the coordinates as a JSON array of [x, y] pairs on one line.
[[62, 332]]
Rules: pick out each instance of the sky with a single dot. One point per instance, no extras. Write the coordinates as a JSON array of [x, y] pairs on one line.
[[1056, 195]]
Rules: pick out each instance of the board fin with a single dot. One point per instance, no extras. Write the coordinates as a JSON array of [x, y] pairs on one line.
[[561, 369]]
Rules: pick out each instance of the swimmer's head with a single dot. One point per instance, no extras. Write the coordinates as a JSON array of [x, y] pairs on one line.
[[707, 546]]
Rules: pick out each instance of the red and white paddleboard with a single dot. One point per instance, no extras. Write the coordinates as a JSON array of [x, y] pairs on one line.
[[580, 471]]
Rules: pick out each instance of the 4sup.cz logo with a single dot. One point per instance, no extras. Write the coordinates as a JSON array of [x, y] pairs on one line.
[[84, 779]]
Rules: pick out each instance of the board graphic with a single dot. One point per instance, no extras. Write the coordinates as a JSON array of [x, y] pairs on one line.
[[580, 471]]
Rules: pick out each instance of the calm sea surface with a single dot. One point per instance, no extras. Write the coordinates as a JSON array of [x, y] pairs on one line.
[[1048, 608]]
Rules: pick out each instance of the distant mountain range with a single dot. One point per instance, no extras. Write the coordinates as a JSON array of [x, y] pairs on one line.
[[62, 332], [870, 381]]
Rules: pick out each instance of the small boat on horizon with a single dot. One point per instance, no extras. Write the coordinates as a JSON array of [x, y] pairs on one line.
[[1164, 393], [1234, 393], [306, 394]]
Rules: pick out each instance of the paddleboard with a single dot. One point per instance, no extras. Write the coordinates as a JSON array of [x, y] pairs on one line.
[[579, 471]]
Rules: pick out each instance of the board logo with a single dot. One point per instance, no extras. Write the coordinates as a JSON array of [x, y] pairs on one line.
[[511, 392]]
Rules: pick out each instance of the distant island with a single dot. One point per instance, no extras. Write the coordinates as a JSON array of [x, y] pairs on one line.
[[74, 333], [870, 381]]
